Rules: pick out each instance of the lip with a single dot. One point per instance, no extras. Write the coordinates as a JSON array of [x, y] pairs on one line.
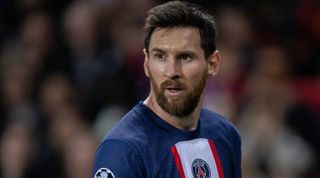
[[171, 91]]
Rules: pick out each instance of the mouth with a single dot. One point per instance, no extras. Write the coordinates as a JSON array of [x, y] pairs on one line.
[[173, 91]]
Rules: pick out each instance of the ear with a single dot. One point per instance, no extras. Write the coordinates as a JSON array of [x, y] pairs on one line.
[[145, 63], [214, 64]]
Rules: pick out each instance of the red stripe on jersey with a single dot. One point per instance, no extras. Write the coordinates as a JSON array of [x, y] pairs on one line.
[[177, 159], [216, 158]]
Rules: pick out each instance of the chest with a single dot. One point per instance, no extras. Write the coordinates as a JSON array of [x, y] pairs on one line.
[[198, 158]]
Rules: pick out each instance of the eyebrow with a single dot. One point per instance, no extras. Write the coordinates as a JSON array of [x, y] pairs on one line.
[[157, 50], [189, 52]]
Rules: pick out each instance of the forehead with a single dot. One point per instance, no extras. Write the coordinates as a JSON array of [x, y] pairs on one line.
[[177, 38]]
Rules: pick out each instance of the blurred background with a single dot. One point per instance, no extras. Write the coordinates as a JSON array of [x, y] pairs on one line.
[[70, 69]]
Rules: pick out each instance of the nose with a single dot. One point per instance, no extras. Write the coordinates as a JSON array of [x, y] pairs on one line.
[[173, 69]]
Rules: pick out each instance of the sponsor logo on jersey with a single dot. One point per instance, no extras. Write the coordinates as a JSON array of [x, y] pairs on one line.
[[104, 173], [200, 169]]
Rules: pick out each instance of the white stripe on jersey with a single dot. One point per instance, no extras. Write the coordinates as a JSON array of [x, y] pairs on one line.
[[198, 149]]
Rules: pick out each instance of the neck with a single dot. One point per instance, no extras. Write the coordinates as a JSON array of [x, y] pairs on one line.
[[187, 123]]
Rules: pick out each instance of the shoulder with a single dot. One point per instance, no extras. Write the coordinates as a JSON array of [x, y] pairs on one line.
[[130, 133], [226, 135], [131, 128], [121, 151], [221, 126], [216, 120]]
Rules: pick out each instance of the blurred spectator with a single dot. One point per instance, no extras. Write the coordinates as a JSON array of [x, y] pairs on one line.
[[16, 81], [63, 120], [235, 44], [79, 155], [19, 144], [56, 91], [124, 22], [97, 66], [269, 146], [26, 59]]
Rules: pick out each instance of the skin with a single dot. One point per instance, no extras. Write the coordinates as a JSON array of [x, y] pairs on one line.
[[176, 53]]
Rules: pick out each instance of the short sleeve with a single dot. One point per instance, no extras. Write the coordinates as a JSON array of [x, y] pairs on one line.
[[115, 158]]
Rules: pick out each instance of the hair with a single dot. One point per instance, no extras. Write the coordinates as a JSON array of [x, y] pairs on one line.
[[182, 14]]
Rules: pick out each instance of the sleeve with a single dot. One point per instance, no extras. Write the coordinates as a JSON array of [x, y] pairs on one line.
[[236, 139], [115, 158]]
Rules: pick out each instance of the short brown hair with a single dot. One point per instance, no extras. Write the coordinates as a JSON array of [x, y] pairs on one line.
[[182, 14]]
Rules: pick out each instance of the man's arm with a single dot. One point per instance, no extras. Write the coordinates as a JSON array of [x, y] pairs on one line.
[[118, 159]]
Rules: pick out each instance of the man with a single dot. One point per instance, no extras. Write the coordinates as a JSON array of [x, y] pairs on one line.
[[169, 134]]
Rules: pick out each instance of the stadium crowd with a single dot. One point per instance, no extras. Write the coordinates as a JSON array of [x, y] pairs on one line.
[[70, 69]]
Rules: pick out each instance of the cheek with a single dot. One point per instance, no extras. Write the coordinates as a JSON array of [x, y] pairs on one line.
[[156, 71], [154, 76], [195, 74]]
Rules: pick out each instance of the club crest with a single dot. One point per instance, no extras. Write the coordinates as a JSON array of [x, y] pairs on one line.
[[104, 173], [200, 169]]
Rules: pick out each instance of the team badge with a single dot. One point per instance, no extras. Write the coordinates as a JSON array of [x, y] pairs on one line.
[[104, 173], [200, 169]]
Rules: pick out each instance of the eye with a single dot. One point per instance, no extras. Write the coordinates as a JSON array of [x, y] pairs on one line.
[[158, 56], [185, 57]]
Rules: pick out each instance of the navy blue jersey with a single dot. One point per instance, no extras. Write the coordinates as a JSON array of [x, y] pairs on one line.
[[142, 145]]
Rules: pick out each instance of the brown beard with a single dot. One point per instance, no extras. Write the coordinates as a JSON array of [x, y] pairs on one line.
[[184, 105]]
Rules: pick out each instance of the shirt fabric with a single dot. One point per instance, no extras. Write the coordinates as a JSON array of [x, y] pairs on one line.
[[142, 145]]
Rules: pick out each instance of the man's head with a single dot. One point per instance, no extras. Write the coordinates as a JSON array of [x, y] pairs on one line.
[[182, 14], [179, 55]]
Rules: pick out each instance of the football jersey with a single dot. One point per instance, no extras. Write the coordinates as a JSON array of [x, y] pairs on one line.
[[142, 145]]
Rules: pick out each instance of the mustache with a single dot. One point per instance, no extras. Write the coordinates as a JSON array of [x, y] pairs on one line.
[[172, 84]]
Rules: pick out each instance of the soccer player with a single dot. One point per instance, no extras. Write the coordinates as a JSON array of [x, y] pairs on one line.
[[169, 134]]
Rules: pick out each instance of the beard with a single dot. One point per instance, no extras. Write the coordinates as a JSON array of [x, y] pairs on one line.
[[186, 103]]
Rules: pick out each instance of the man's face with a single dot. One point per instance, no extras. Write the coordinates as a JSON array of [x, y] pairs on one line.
[[177, 69]]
